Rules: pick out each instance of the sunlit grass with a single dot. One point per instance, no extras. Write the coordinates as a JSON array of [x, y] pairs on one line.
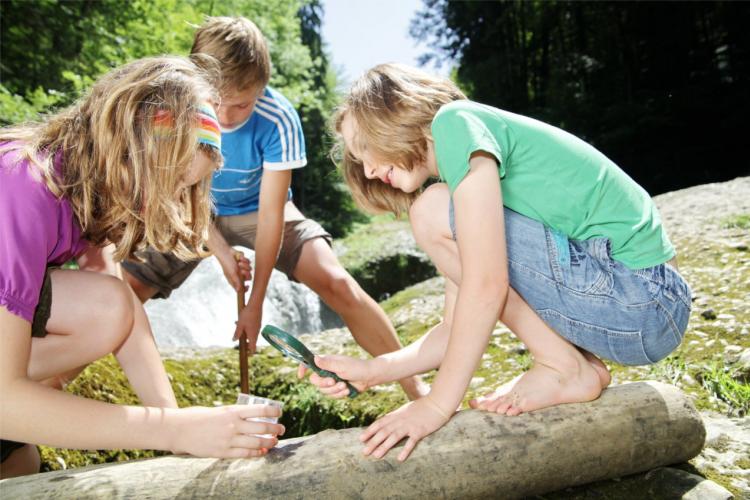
[[741, 221], [726, 384]]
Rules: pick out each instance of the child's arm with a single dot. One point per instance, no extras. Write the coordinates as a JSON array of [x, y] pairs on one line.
[[34, 413], [422, 355], [137, 355], [273, 194], [482, 294], [484, 278]]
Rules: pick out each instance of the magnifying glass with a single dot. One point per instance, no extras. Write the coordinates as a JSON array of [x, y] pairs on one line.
[[292, 347]]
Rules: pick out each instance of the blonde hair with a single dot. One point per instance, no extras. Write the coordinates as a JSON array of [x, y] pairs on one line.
[[240, 48], [393, 106], [122, 174]]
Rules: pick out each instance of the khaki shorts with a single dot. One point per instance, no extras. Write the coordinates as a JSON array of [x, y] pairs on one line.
[[165, 272]]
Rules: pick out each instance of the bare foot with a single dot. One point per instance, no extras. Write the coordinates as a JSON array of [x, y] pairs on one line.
[[543, 386], [601, 369], [483, 402]]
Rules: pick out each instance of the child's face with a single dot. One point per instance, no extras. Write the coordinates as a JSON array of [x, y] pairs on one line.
[[202, 166], [236, 107], [407, 181]]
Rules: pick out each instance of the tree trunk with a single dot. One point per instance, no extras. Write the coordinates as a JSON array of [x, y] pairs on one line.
[[631, 428]]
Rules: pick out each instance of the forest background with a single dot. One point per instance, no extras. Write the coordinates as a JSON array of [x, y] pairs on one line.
[[660, 87]]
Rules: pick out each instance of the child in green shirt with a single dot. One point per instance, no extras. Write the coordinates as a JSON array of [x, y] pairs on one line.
[[530, 225]]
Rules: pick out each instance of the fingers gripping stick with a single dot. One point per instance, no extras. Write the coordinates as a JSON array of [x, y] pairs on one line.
[[292, 347]]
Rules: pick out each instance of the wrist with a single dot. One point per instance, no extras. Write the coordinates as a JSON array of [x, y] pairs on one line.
[[168, 427], [377, 371], [437, 408]]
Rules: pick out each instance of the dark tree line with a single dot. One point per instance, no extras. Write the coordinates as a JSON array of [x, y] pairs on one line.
[[660, 87], [52, 50]]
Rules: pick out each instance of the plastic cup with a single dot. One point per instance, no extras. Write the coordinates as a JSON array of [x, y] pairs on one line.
[[249, 399]]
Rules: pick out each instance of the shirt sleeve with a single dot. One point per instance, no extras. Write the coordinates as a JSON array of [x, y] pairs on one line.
[[26, 229], [458, 133], [284, 147]]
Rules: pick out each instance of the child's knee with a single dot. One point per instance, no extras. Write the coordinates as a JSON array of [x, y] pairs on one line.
[[117, 312], [428, 214], [342, 291], [21, 462], [435, 197]]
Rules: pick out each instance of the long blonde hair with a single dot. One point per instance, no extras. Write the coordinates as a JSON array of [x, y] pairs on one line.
[[119, 170], [393, 106]]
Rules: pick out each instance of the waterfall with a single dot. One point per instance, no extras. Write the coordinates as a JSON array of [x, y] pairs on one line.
[[203, 310]]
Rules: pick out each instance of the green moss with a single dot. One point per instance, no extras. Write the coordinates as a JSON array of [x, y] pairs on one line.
[[214, 380], [741, 221]]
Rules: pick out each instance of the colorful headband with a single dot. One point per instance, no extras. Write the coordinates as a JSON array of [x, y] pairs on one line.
[[209, 131]]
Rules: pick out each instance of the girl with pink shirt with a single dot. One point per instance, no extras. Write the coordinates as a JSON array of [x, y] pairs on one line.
[[126, 166]]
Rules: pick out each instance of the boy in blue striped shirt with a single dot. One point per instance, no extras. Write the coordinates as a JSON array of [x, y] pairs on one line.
[[262, 142]]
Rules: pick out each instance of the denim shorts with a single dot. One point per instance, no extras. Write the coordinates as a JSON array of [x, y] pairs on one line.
[[633, 317]]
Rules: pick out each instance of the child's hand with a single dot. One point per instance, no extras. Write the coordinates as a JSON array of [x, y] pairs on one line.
[[223, 432], [357, 371], [236, 267], [414, 421], [249, 322]]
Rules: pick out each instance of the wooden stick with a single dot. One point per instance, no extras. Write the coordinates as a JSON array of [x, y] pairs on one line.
[[244, 383]]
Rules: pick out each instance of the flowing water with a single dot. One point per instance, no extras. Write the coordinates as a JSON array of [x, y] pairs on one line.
[[203, 310]]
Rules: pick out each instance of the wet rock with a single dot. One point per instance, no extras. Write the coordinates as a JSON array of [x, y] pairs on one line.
[[384, 258], [744, 359], [709, 314], [732, 353], [667, 482]]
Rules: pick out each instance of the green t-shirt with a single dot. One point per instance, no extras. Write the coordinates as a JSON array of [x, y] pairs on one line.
[[552, 176]]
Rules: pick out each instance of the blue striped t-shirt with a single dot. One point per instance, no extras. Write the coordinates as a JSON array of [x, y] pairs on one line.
[[271, 138]]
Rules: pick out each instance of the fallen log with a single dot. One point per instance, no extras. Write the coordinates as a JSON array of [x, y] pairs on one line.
[[631, 428]]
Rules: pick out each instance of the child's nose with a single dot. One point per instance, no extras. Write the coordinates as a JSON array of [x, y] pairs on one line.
[[222, 114], [369, 171]]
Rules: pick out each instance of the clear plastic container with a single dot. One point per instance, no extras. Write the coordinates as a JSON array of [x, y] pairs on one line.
[[249, 399]]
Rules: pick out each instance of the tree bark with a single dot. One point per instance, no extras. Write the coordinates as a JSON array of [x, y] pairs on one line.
[[631, 428]]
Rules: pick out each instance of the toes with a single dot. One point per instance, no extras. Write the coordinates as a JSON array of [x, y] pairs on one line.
[[514, 411], [503, 404]]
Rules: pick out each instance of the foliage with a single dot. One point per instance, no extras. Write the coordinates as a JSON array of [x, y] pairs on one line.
[[729, 385], [659, 87], [53, 50], [319, 189]]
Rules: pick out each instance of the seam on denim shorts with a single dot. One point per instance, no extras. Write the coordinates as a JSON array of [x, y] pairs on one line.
[[553, 257], [677, 336], [606, 331]]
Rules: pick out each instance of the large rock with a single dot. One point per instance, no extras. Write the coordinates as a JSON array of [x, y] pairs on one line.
[[631, 428], [384, 258]]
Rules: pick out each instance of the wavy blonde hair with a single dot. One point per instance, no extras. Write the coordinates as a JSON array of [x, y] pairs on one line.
[[392, 106], [120, 173]]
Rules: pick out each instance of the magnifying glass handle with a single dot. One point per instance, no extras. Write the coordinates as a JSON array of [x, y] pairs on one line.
[[353, 392]]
